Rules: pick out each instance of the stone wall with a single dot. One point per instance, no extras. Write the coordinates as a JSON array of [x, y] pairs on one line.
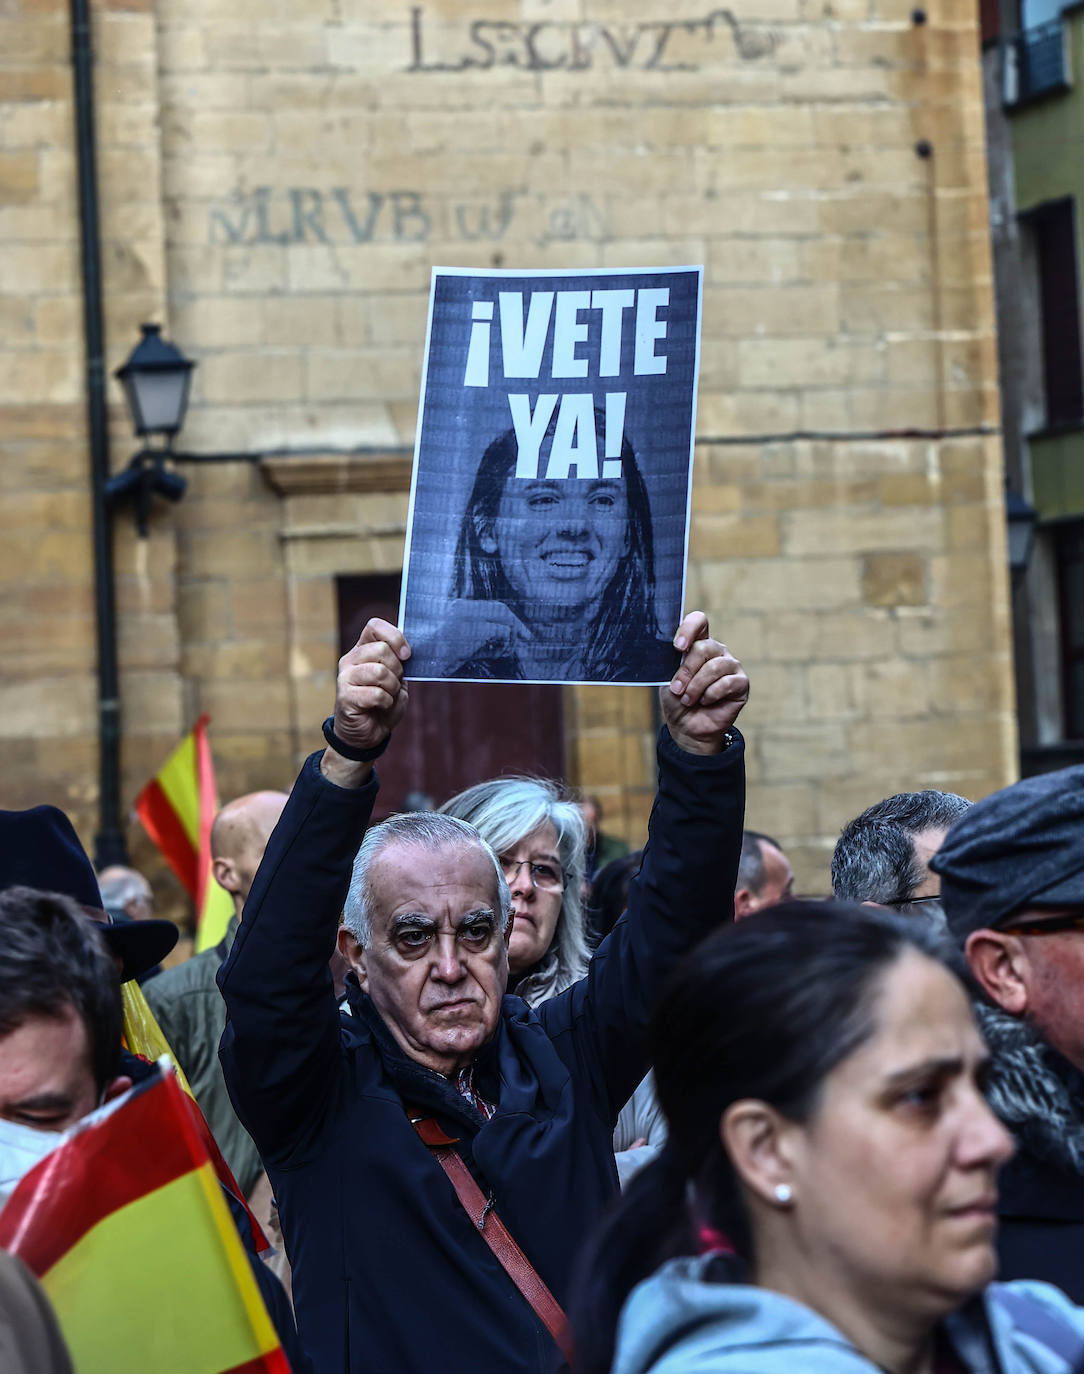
[[48, 701], [277, 182]]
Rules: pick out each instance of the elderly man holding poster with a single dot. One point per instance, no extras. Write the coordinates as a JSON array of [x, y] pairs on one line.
[[439, 1153]]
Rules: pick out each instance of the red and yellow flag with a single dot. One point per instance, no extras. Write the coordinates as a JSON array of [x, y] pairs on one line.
[[128, 1230], [177, 808]]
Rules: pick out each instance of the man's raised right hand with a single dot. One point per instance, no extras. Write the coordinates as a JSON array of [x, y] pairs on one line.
[[370, 697]]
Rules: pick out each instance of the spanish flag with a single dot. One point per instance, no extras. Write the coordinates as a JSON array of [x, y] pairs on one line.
[[177, 808], [143, 1036], [127, 1228]]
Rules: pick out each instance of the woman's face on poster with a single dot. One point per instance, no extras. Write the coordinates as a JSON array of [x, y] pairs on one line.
[[559, 542]]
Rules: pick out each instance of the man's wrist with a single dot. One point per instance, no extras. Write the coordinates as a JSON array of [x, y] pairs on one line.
[[717, 744], [355, 752], [344, 772]]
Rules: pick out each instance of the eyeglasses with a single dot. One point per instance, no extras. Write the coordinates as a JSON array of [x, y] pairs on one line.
[[928, 906], [544, 876], [1050, 925]]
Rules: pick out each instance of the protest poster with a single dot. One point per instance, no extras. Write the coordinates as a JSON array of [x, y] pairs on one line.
[[549, 509]]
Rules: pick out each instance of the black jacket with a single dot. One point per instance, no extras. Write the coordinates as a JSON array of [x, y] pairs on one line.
[[1039, 1096], [390, 1274], [1041, 1224]]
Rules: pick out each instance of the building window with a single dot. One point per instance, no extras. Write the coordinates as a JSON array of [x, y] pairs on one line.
[[1032, 14], [1052, 229], [1070, 562]]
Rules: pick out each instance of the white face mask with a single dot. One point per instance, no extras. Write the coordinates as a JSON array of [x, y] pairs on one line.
[[21, 1147]]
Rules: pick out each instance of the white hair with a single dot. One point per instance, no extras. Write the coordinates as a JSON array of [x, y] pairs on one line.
[[121, 886], [425, 830], [505, 811]]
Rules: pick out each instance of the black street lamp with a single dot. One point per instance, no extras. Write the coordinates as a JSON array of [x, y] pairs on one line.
[[1022, 520], [156, 379]]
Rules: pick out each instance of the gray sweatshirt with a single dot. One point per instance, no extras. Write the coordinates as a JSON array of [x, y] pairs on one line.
[[679, 1322]]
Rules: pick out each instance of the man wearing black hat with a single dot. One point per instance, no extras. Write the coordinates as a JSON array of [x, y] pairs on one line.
[[39, 848], [1012, 888]]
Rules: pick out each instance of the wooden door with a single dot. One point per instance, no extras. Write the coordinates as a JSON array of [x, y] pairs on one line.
[[455, 733]]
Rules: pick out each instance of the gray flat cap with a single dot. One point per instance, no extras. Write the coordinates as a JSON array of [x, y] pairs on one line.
[[1021, 847]]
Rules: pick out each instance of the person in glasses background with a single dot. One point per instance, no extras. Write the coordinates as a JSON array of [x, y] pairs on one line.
[[1012, 887], [540, 838], [883, 856]]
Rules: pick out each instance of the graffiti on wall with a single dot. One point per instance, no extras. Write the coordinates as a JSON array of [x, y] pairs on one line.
[[552, 46], [343, 214], [306, 214]]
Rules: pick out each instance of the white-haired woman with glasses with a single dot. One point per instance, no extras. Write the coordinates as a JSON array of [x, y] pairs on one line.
[[541, 842]]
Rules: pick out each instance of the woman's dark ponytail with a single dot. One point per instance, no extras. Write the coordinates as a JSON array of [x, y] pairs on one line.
[[649, 1224], [661, 1214]]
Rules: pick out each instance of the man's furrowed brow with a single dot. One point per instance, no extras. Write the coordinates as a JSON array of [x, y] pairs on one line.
[[482, 913], [412, 920], [418, 920]]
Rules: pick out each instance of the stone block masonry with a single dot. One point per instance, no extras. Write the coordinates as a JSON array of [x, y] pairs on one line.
[[276, 188]]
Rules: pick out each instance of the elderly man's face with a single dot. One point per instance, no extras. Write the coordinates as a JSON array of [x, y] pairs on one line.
[[437, 964]]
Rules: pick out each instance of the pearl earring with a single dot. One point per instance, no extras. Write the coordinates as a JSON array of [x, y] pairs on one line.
[[782, 1192]]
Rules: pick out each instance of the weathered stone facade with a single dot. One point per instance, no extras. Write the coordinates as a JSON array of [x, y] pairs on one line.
[[277, 180]]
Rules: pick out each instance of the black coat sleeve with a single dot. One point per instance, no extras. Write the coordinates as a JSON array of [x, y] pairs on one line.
[[683, 891], [280, 1049]]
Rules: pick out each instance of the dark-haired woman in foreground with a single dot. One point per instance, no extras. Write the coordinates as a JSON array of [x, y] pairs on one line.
[[822, 1076]]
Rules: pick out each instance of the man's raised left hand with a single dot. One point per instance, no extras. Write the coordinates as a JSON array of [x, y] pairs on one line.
[[370, 698], [707, 692]]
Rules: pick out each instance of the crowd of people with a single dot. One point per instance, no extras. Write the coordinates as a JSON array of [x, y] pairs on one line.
[[509, 1098]]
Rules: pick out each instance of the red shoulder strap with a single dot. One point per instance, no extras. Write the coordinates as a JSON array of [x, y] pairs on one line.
[[494, 1232]]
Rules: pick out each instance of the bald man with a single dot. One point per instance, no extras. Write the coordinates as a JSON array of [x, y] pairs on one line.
[[239, 836], [186, 999], [764, 875]]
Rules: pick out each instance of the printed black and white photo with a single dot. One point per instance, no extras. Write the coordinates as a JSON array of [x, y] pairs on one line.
[[549, 506]]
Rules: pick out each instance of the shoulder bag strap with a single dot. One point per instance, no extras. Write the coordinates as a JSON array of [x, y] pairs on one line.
[[494, 1232]]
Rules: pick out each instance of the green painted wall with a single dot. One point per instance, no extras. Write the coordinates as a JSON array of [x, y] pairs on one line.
[[1048, 136], [1048, 157], [1057, 475]]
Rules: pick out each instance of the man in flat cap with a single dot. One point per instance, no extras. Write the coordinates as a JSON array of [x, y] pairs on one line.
[[1012, 888]]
